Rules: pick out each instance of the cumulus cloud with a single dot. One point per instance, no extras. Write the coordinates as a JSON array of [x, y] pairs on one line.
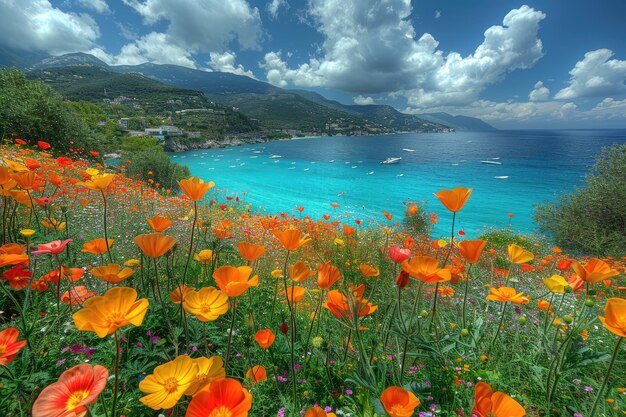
[[372, 47], [361, 101], [274, 6], [226, 63], [539, 92], [99, 6], [595, 76], [192, 27], [36, 25]]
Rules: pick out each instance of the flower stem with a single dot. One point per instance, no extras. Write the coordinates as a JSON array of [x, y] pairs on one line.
[[467, 279], [230, 332], [106, 236], [606, 378], [116, 369]]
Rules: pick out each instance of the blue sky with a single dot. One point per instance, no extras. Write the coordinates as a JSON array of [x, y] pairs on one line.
[[532, 64]]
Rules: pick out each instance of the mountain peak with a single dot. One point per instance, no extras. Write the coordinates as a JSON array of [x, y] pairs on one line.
[[76, 59]]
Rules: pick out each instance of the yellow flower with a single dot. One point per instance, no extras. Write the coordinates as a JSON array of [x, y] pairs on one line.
[[168, 383], [53, 224], [209, 369], [519, 255], [207, 304], [556, 283], [338, 242], [27, 232], [132, 262], [277, 273], [99, 182], [204, 256], [107, 313]]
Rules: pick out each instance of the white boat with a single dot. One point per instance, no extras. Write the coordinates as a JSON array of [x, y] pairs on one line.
[[501, 177], [400, 175], [408, 150], [491, 162], [275, 156], [391, 160], [370, 173]]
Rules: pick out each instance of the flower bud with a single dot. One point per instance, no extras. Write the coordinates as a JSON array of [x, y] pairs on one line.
[[464, 332], [589, 302], [567, 319], [403, 279], [424, 313], [521, 320], [283, 328]]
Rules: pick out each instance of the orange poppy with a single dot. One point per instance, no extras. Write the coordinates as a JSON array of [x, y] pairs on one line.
[[223, 396], [74, 390], [18, 277], [318, 412], [76, 295], [348, 230], [112, 273], [249, 251], [115, 309], [159, 224], [519, 255], [595, 270], [300, 271], [470, 250], [207, 304], [97, 246], [543, 305], [233, 281], [25, 179], [498, 404], [205, 256], [327, 275], [265, 338], [454, 199], [257, 374], [294, 293], [154, 244], [426, 269], [615, 316], [505, 294], [291, 239], [195, 188], [344, 308], [369, 271], [180, 293], [9, 346], [399, 402]]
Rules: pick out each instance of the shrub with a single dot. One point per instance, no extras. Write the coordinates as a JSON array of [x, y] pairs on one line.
[[591, 219]]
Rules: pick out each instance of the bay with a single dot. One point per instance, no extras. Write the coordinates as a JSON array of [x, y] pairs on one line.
[[522, 168]]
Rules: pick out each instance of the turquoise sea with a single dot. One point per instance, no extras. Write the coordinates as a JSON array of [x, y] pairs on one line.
[[526, 167]]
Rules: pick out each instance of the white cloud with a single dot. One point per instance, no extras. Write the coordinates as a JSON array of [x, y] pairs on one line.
[[595, 76], [372, 47], [610, 108], [226, 63], [539, 92], [154, 47], [437, 14], [36, 25], [274, 6], [361, 101], [99, 6]]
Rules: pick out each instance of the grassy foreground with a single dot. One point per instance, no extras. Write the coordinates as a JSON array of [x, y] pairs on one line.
[[119, 299]]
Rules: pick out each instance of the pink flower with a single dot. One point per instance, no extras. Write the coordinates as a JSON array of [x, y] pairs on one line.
[[54, 248], [399, 255]]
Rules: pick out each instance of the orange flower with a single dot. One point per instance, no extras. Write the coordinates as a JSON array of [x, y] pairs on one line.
[[195, 188], [399, 402], [594, 270], [77, 295], [344, 308], [291, 239], [543, 305], [470, 250], [209, 369], [318, 412], [112, 273], [98, 182], [250, 252], [233, 281], [207, 304], [9, 346], [265, 338], [154, 244], [498, 404], [159, 224], [257, 374], [454, 199], [115, 309], [224, 397], [12, 259], [300, 271], [369, 271], [205, 256], [25, 179], [519, 255], [18, 277], [294, 293], [348, 230], [426, 269], [505, 294], [180, 293], [615, 316], [327, 275], [75, 389], [97, 246]]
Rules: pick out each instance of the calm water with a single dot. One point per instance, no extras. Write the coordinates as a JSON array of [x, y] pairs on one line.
[[314, 172]]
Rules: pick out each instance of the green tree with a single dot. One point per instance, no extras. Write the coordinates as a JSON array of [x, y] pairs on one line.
[[592, 220], [34, 111]]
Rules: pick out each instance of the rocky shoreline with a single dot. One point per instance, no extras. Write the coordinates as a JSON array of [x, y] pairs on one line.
[[178, 145]]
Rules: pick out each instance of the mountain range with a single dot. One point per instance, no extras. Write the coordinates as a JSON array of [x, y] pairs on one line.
[[271, 106]]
